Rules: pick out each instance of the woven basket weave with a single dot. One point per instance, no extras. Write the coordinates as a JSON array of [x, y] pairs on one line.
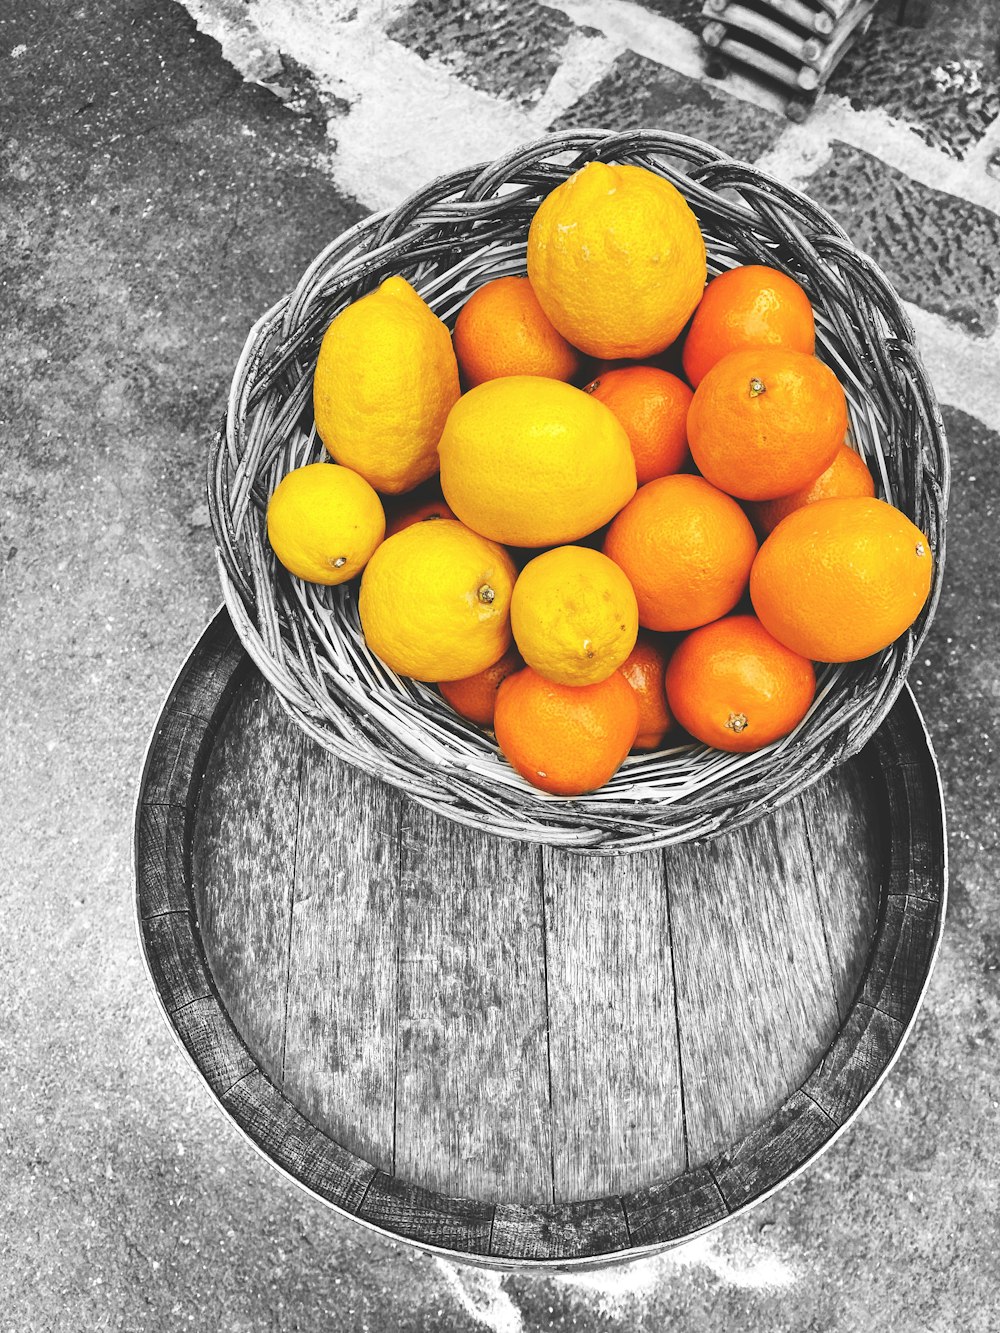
[[460, 232]]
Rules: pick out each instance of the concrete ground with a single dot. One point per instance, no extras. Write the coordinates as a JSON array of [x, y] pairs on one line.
[[158, 193]]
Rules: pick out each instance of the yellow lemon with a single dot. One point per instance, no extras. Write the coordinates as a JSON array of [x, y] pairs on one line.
[[534, 462], [324, 522], [435, 601], [574, 615], [385, 381], [617, 260]]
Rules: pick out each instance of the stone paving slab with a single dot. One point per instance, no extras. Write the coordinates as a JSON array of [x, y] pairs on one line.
[[152, 204]]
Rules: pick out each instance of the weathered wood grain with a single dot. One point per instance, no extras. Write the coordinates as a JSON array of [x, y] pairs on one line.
[[472, 1100], [448, 1221], [756, 1009], [897, 972], [673, 1209], [566, 1231], [175, 959], [846, 825], [849, 1070], [283, 1133], [243, 862], [163, 842], [213, 1043], [616, 1088], [776, 1147], [339, 1061]]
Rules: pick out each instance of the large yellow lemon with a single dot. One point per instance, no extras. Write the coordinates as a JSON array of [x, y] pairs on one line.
[[534, 462], [385, 381], [435, 601], [324, 522], [617, 260], [574, 615]]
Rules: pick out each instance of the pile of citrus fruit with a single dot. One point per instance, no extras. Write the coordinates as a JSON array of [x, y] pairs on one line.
[[614, 504]]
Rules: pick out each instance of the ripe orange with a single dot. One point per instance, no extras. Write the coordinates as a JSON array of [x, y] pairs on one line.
[[847, 475], [733, 686], [687, 550], [842, 578], [475, 697], [652, 405], [752, 306], [565, 739], [644, 670], [617, 260], [766, 422], [417, 513], [502, 330]]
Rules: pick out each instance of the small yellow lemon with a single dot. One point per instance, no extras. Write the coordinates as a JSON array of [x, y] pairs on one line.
[[435, 601], [386, 378], [617, 260], [324, 522], [534, 462], [574, 615]]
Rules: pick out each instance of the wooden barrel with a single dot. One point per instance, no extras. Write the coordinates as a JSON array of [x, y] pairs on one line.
[[513, 1054]]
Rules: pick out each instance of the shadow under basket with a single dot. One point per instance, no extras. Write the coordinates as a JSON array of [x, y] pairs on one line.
[[462, 231]]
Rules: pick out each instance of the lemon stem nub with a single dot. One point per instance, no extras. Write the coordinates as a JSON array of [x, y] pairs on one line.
[[486, 594], [340, 562], [757, 387], [737, 722], [921, 549]]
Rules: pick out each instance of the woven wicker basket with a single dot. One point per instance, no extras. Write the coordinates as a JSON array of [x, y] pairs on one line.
[[450, 238]]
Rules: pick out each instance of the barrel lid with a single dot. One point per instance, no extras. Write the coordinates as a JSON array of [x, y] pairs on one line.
[[521, 1055]]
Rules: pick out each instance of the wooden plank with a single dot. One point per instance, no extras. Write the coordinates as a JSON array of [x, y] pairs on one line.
[[559, 1231], [898, 970], [673, 1209], [175, 959], [162, 871], [285, 1135], [756, 1009], [855, 1062], [447, 1221], [617, 1119], [339, 1061], [243, 865], [213, 1043], [775, 1148], [846, 827], [472, 1100]]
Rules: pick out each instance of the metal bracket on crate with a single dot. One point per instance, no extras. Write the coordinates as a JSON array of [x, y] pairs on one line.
[[794, 44]]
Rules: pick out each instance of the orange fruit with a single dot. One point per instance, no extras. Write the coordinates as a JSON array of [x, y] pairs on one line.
[[733, 686], [842, 578], [502, 330], [766, 422], [687, 550], [644, 669], [617, 260], [324, 522], [534, 462], [752, 306], [475, 697], [652, 405], [386, 378], [565, 739], [847, 475], [435, 601], [418, 513], [573, 615]]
